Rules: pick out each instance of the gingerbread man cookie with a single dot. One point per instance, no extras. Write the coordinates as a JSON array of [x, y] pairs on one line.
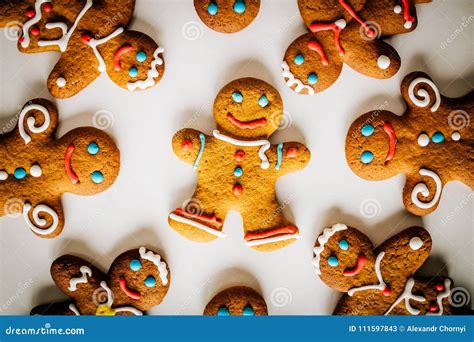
[[237, 301], [346, 31], [92, 38], [36, 169], [380, 281], [432, 143], [137, 281], [238, 167], [227, 16]]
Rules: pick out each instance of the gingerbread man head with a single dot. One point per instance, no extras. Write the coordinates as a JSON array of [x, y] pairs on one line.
[[346, 31], [237, 301], [248, 108], [137, 281], [36, 169], [227, 16], [430, 143], [380, 281], [92, 38]]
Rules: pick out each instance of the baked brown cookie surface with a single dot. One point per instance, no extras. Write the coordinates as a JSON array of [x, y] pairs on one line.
[[238, 167], [380, 281], [137, 281], [346, 31], [237, 301], [36, 168], [432, 143], [227, 16], [91, 37]]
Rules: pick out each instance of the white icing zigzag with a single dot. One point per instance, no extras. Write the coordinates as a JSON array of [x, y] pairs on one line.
[[292, 80], [152, 73], [86, 271], [156, 259], [424, 94], [439, 299], [323, 239], [26, 27]]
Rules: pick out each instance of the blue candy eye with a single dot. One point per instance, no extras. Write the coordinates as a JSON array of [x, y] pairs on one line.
[[150, 281], [367, 130], [344, 245], [332, 261], [133, 72], [212, 8], [141, 56], [237, 97], [97, 177], [223, 311], [299, 59], [366, 157], [239, 7], [312, 78], [93, 148], [263, 101], [248, 311], [135, 265]]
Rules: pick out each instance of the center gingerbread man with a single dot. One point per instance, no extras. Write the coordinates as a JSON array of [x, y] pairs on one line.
[[238, 168]]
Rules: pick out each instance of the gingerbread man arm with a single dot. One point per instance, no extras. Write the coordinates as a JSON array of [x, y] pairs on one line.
[[292, 157], [37, 121], [12, 12], [422, 191], [80, 280], [188, 144], [65, 308]]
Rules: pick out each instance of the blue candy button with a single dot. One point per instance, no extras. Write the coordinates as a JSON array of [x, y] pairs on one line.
[[299, 59], [366, 157], [223, 311], [133, 72], [150, 281], [438, 137], [332, 261], [97, 177], [135, 265], [93, 148], [141, 56], [344, 245], [239, 7], [263, 101], [237, 97], [248, 311], [312, 78], [212, 8], [238, 172], [19, 173], [367, 130]]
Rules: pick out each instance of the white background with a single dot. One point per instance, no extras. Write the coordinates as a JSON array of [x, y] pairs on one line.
[[153, 181]]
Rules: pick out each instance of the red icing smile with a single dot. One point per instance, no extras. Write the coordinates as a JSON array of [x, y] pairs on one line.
[[387, 127], [132, 294], [67, 164], [247, 124], [122, 50], [350, 272]]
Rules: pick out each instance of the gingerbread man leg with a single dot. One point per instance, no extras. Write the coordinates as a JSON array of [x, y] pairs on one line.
[[266, 228], [422, 191], [200, 218]]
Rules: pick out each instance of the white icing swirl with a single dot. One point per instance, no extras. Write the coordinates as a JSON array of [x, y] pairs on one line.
[[152, 73], [424, 94], [423, 189], [323, 239], [292, 80], [156, 259], [38, 223], [30, 122], [86, 271]]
